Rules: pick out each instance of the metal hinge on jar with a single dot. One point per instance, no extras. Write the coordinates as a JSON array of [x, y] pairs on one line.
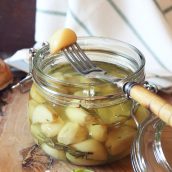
[[151, 87], [23, 84]]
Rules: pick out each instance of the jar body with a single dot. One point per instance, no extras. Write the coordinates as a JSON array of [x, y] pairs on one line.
[[70, 123]]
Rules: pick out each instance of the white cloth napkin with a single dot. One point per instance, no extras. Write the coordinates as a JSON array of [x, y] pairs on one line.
[[145, 24]]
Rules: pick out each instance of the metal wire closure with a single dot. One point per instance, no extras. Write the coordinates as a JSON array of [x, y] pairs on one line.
[[151, 87], [22, 85]]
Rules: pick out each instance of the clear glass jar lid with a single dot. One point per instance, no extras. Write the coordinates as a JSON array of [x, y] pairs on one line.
[[152, 148]]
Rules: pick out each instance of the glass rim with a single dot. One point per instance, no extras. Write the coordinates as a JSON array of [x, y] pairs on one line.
[[83, 41], [80, 39]]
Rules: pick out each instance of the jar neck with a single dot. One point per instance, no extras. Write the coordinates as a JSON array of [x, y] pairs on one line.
[[115, 52]]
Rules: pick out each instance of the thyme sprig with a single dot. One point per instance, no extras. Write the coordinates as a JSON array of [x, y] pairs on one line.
[[71, 150], [66, 148]]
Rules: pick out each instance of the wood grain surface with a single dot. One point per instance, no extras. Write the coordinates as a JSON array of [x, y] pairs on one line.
[[15, 136]]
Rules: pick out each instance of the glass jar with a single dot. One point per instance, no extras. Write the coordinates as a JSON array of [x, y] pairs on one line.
[[152, 150], [85, 121]]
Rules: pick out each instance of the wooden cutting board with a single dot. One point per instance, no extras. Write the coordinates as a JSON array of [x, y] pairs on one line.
[[15, 136]]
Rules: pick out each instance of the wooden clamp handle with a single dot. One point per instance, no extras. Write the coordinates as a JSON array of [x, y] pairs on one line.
[[153, 102]]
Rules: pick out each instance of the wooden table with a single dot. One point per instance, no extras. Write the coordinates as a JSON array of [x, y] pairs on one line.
[[15, 136]]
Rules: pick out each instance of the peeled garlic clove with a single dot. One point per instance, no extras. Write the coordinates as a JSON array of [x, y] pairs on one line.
[[58, 75], [116, 113], [34, 93], [119, 140], [31, 107], [82, 161], [51, 129], [42, 114], [93, 146], [58, 154], [98, 132], [79, 115], [36, 132], [61, 39], [72, 133]]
